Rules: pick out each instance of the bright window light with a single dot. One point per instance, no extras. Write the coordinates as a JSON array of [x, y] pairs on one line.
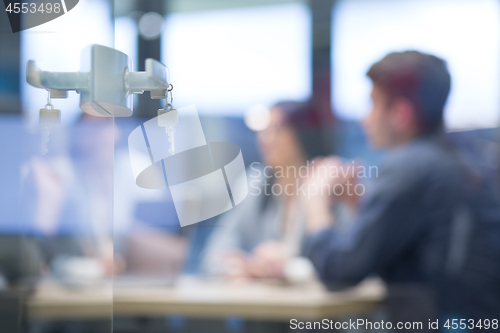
[[126, 37], [227, 61], [464, 33]]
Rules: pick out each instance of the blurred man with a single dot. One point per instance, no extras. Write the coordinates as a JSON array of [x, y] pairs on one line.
[[430, 223]]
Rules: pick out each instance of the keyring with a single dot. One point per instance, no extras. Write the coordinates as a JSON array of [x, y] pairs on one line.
[[169, 91], [49, 101], [168, 106]]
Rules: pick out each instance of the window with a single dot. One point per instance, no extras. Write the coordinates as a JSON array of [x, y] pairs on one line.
[[126, 38], [464, 33], [225, 61]]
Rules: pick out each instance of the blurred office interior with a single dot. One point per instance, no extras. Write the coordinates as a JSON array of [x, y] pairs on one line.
[[76, 230]]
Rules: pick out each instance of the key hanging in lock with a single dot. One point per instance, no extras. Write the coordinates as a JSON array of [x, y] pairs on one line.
[[49, 117], [169, 118]]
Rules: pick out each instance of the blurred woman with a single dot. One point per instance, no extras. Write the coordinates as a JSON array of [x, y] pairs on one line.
[[257, 238]]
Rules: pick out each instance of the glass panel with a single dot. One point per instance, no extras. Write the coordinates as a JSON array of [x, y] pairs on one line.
[[57, 46], [56, 249]]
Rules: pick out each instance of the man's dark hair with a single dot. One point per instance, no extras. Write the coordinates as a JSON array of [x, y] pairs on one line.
[[311, 128], [422, 78]]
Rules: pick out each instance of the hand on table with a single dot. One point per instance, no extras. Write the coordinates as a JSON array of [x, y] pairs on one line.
[[268, 260], [235, 265]]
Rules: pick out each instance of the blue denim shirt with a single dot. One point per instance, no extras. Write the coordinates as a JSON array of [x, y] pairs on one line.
[[430, 219]]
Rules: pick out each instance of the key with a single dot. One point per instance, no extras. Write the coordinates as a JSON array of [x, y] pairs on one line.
[[169, 118], [49, 117]]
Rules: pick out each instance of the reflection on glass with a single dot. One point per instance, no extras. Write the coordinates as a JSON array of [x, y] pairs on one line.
[[56, 247]]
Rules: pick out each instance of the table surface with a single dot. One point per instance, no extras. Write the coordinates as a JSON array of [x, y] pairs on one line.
[[204, 299]]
